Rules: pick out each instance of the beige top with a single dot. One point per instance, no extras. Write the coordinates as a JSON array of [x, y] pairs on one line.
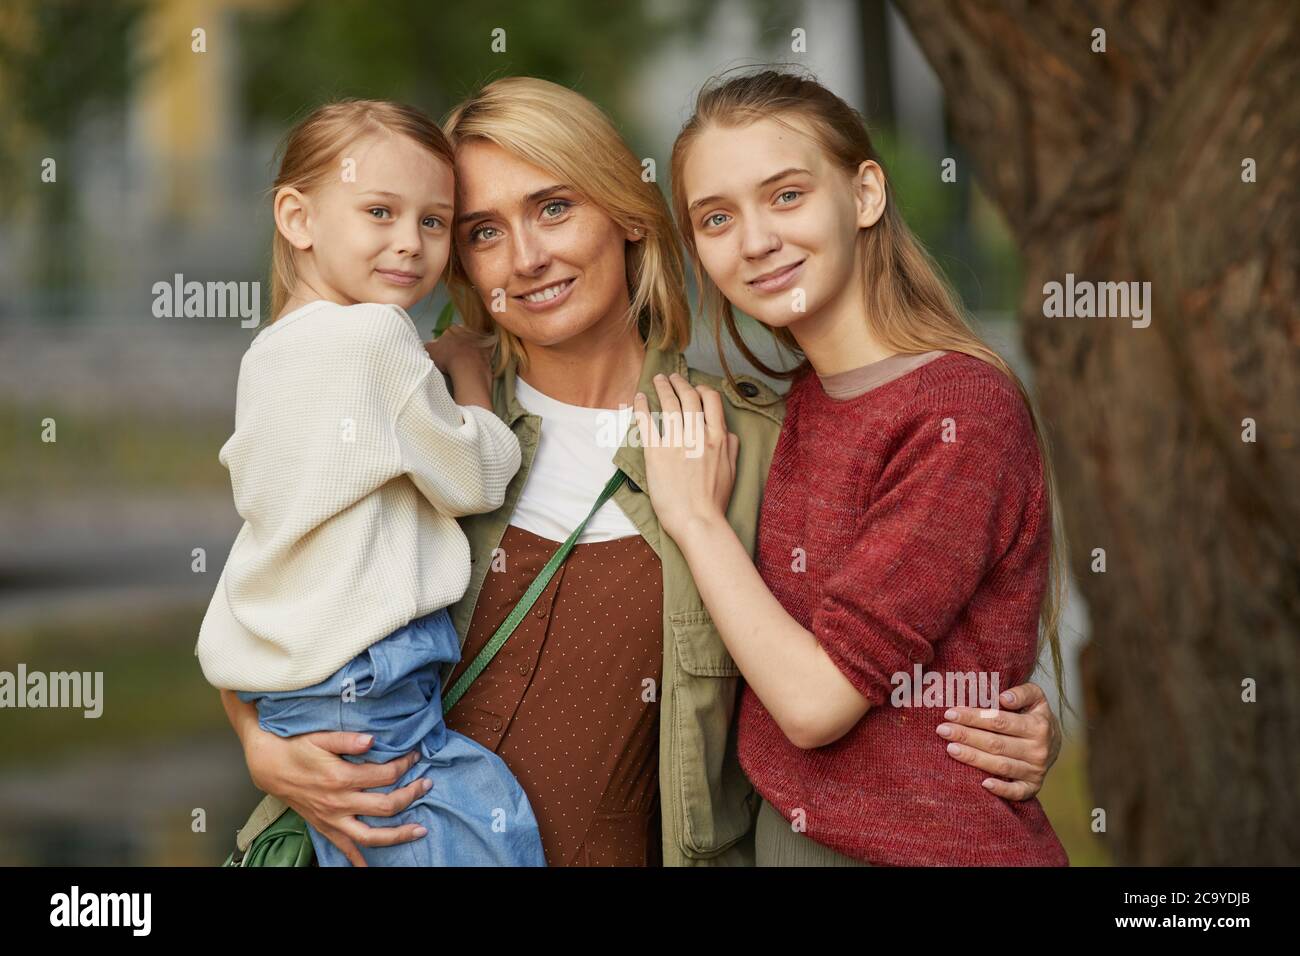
[[349, 464], [843, 386]]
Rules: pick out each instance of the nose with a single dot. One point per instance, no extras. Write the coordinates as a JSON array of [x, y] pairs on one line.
[[406, 237], [531, 255], [757, 238]]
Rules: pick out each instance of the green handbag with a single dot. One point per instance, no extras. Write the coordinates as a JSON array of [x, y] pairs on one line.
[[276, 835]]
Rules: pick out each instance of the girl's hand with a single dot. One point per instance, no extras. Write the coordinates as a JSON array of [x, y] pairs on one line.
[[466, 357], [691, 466], [306, 773], [1020, 746]]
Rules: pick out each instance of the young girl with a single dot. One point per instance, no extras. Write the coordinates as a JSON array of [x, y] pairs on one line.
[[350, 463], [907, 520]]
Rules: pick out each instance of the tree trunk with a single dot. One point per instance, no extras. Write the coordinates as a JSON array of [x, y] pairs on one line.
[[1127, 165]]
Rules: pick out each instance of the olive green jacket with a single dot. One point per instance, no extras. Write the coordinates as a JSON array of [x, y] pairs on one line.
[[707, 805]]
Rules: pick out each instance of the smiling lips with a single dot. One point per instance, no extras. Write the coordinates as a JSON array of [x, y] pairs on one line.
[[398, 277], [777, 279], [547, 296]]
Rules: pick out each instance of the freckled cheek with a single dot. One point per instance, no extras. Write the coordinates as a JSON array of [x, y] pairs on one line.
[[485, 272], [602, 265]]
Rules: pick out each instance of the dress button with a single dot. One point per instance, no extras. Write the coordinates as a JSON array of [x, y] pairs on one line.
[[634, 486], [748, 389], [523, 670], [496, 723]]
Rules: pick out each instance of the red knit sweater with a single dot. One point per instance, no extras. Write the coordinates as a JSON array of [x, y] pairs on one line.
[[918, 508]]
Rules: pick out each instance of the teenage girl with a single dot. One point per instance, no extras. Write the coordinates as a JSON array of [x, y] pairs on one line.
[[350, 464], [907, 520]]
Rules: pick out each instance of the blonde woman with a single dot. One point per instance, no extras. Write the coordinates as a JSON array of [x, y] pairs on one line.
[[614, 703]]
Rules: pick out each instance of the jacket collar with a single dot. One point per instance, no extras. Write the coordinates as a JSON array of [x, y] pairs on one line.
[[629, 458]]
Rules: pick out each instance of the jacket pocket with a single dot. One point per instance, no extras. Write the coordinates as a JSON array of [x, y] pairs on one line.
[[715, 797], [700, 650]]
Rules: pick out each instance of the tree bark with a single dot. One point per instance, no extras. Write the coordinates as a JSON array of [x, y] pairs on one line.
[[1127, 166]]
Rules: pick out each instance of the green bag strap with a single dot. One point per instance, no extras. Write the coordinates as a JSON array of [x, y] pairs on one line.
[[526, 602]]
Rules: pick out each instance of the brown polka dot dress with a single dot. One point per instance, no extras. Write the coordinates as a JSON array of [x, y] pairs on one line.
[[571, 701]]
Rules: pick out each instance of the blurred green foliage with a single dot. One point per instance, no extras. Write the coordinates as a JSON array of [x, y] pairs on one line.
[[111, 451], [59, 62], [432, 56]]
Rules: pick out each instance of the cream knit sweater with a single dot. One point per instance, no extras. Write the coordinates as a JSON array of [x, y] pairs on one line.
[[349, 464]]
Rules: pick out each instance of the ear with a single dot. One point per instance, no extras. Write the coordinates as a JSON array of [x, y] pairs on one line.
[[293, 217], [869, 192]]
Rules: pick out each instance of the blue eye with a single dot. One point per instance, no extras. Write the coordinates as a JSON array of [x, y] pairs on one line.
[[709, 221], [554, 204], [381, 209], [790, 192], [477, 234], [432, 222]]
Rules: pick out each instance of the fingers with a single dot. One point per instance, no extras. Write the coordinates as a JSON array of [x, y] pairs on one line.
[[391, 803], [1013, 790], [340, 741], [686, 395], [367, 776], [1031, 700], [997, 721], [1027, 750], [668, 401], [1022, 696], [733, 446], [670, 412], [345, 845], [1009, 767], [385, 836], [644, 423], [715, 421]]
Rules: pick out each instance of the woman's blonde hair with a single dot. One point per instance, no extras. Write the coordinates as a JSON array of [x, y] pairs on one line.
[[909, 305], [567, 135], [313, 150]]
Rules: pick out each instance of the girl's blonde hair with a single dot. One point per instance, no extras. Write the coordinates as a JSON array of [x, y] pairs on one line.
[[567, 135], [313, 152], [909, 305]]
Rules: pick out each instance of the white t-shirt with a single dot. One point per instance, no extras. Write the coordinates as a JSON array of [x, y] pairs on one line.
[[574, 460]]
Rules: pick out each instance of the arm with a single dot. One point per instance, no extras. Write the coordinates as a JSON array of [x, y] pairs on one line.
[[460, 457], [811, 697], [465, 357], [307, 773], [781, 660]]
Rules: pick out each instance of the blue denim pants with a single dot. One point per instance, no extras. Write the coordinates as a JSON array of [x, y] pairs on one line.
[[476, 812]]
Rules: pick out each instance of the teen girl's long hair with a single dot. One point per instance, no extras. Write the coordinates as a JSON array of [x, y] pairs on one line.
[[909, 305]]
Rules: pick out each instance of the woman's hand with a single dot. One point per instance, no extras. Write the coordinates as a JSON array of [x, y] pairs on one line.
[[466, 357], [307, 773], [1020, 746], [691, 465]]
